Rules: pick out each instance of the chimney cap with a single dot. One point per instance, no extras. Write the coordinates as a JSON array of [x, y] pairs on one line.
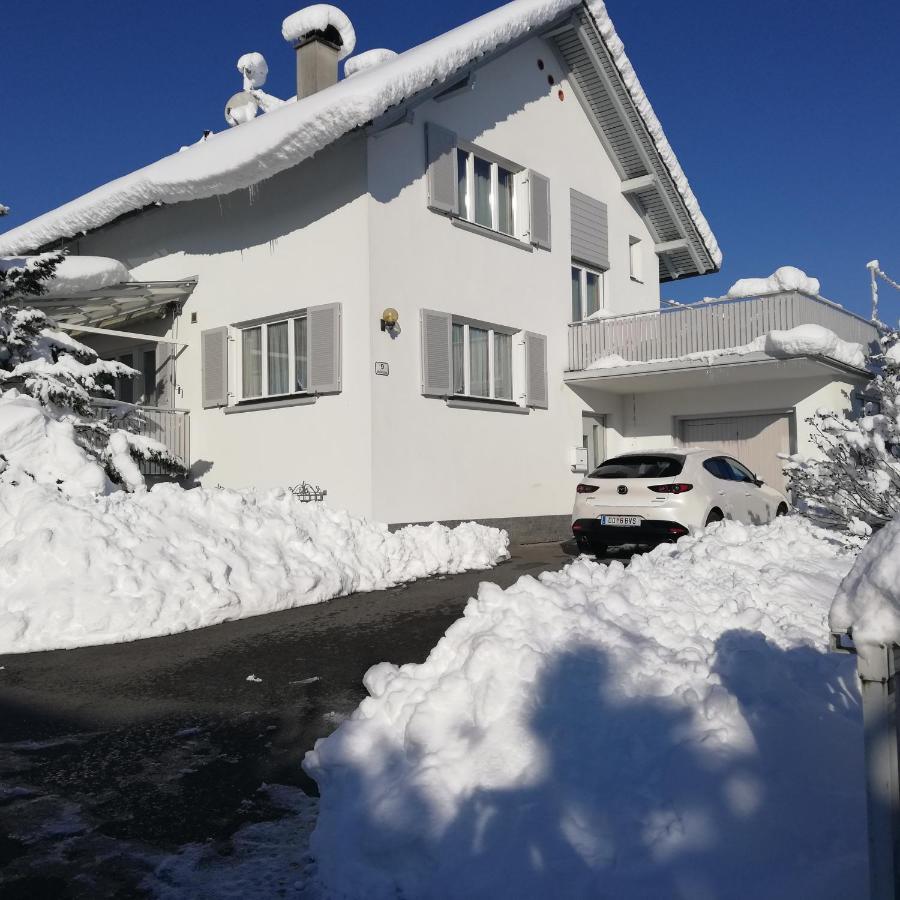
[[316, 20]]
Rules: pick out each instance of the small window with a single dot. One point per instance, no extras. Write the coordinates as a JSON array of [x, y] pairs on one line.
[[487, 192], [274, 360], [482, 362], [634, 259], [640, 466], [587, 292]]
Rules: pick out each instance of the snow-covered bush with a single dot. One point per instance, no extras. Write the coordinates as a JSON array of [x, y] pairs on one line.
[[856, 482], [62, 376]]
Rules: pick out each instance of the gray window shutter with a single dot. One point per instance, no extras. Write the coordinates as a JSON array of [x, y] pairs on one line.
[[437, 354], [590, 230], [535, 370], [165, 375], [443, 194], [214, 366], [539, 201], [323, 343]]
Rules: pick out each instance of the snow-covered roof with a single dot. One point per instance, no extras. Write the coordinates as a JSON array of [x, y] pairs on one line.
[[284, 137]]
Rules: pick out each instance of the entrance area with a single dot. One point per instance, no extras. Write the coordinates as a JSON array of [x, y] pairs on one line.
[[755, 440], [593, 436]]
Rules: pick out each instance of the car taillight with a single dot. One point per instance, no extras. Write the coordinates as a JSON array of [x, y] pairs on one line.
[[586, 488], [680, 488]]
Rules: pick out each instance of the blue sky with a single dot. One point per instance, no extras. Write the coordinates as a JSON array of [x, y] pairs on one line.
[[783, 114]]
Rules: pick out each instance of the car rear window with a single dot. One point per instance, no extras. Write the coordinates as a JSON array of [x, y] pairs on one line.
[[635, 466]]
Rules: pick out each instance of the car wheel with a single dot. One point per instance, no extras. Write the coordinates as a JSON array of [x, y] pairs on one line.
[[599, 549], [715, 515], [782, 509]]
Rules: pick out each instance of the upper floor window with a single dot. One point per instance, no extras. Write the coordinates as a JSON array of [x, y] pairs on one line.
[[634, 259], [470, 184], [274, 359], [587, 292], [487, 192]]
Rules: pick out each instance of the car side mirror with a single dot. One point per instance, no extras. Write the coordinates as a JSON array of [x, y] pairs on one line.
[[758, 482]]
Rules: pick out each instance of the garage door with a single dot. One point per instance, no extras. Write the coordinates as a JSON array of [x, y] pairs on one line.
[[755, 441]]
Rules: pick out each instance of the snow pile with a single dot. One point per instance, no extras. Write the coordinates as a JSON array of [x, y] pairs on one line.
[[36, 447], [255, 70], [97, 570], [367, 60], [787, 278], [804, 340], [868, 603], [320, 17], [814, 340], [240, 157], [74, 273], [673, 729]]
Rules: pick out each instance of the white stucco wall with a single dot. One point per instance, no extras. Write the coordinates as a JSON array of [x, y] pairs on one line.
[[432, 461], [295, 240]]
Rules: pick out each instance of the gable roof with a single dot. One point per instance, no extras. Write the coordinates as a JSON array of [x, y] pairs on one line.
[[284, 137]]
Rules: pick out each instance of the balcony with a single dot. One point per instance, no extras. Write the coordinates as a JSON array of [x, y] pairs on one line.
[[668, 335], [171, 427]]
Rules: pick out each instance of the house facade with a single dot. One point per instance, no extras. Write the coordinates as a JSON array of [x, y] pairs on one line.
[[518, 207]]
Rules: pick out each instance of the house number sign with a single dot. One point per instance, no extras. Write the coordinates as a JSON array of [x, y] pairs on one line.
[[382, 368]]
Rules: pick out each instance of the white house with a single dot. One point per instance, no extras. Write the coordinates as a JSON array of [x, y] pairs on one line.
[[509, 191]]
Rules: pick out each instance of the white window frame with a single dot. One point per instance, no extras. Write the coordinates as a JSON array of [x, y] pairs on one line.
[[635, 263], [583, 271], [263, 325], [470, 152], [468, 324]]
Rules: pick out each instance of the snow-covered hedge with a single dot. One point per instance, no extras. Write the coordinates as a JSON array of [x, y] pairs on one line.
[[102, 569], [673, 729]]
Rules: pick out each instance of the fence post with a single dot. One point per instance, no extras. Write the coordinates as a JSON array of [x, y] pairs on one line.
[[877, 669]]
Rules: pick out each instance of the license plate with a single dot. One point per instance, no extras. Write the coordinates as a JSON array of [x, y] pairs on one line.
[[621, 521]]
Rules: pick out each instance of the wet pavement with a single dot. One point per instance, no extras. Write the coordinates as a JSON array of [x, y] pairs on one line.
[[122, 761]]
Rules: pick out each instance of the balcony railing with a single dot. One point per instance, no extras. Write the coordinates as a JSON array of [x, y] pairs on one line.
[[171, 427], [718, 325]]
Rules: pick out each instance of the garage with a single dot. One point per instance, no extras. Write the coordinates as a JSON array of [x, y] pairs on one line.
[[755, 440]]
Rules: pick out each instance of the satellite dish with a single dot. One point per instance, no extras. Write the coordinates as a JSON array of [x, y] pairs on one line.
[[242, 107]]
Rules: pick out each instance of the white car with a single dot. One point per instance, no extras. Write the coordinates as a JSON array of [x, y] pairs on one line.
[[655, 496]]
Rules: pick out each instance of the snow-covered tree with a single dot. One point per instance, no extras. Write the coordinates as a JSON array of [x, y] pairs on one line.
[[63, 375], [856, 483]]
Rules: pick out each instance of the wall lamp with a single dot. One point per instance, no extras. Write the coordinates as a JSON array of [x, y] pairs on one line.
[[389, 319]]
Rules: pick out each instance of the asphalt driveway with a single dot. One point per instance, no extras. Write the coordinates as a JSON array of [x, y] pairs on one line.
[[111, 756]]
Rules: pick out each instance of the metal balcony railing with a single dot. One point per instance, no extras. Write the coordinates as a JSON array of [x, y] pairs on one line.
[[171, 427], [717, 325]]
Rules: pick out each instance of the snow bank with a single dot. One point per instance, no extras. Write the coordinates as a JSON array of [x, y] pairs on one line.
[[814, 340], [75, 273], [240, 157], [35, 447], [787, 278], [868, 602], [319, 17], [97, 570], [367, 60], [673, 729]]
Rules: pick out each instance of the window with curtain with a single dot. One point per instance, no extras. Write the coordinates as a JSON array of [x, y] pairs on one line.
[[274, 359], [487, 192], [482, 361], [587, 292]]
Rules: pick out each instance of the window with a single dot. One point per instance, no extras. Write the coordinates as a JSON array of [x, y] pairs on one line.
[[125, 386], [634, 258], [739, 472], [717, 466], [482, 361], [487, 192], [587, 292], [148, 372], [274, 359]]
